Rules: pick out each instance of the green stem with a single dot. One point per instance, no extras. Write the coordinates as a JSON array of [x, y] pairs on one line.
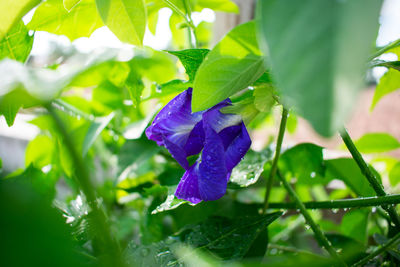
[[274, 165], [386, 48], [188, 10], [373, 181], [98, 220], [64, 106], [290, 249], [343, 203], [321, 238], [380, 250]]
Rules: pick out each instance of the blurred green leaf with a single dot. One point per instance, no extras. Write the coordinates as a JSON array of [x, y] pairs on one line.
[[12, 11], [388, 83], [69, 4], [17, 43], [376, 143], [204, 34], [317, 60], [245, 108], [305, 162], [382, 240], [217, 5], [250, 168], [125, 18], [40, 151], [80, 21], [291, 124], [179, 36], [354, 224], [388, 64], [394, 175], [191, 60], [232, 65], [347, 170], [33, 233], [96, 127]]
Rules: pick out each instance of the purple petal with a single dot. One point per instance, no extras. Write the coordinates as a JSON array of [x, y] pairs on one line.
[[218, 120], [177, 153], [188, 187], [175, 121], [195, 142], [229, 134], [212, 172], [238, 148]]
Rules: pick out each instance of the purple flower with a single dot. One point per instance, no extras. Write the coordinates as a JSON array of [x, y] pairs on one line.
[[222, 140]]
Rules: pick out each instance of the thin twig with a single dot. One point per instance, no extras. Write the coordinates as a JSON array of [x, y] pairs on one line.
[[373, 181], [380, 250], [319, 236], [274, 165], [342, 203]]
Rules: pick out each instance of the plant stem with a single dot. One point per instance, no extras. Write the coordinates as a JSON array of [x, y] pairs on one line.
[[380, 250], [373, 181], [62, 105], [291, 249], [112, 252], [188, 10], [386, 48], [321, 238], [274, 165], [343, 203]]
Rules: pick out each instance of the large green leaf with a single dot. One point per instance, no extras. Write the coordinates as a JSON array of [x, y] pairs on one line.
[[305, 162], [388, 83], [69, 4], [17, 43], [250, 168], [318, 52], [232, 65], [191, 60], [81, 21], [354, 224], [125, 18], [40, 151], [347, 170], [12, 11], [25, 86], [376, 143], [94, 131], [227, 238]]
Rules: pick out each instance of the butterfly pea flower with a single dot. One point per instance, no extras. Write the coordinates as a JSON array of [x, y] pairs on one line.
[[221, 140]]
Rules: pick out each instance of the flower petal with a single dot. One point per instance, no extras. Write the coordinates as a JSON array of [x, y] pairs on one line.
[[188, 187], [238, 148], [218, 120], [212, 174], [195, 142], [177, 153], [175, 121], [229, 134]]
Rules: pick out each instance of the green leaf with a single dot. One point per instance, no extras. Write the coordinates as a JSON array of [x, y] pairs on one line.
[[191, 60], [305, 162], [347, 170], [388, 64], [250, 168], [232, 65], [354, 224], [17, 43], [394, 175], [229, 239], [81, 21], [40, 151], [317, 59], [218, 5], [264, 97], [377, 143], [69, 4], [125, 18], [388, 83], [94, 131], [12, 11], [180, 38]]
